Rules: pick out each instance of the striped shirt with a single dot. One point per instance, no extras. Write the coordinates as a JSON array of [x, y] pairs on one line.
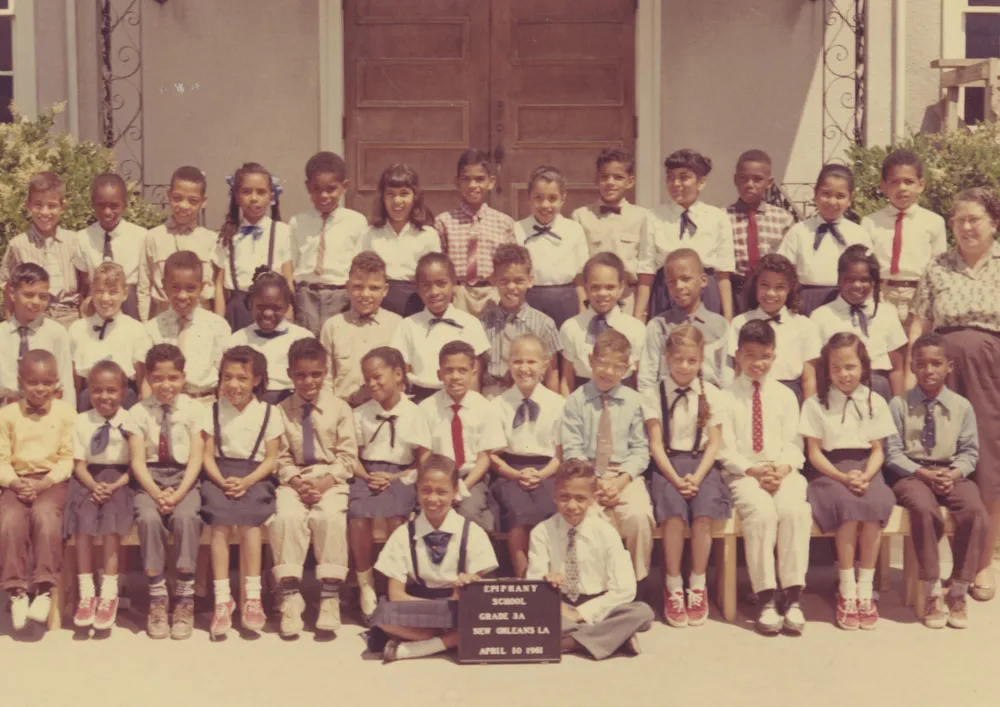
[[461, 227], [773, 223], [60, 255], [526, 320]]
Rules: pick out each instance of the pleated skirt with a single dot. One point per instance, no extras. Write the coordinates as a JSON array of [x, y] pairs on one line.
[[397, 501], [251, 509], [113, 517], [713, 499], [833, 504]]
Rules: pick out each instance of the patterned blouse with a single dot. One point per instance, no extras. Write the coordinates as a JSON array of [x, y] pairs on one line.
[[952, 294]]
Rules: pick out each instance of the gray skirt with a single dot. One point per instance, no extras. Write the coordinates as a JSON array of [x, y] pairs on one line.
[[439, 613], [252, 509], [812, 297], [516, 507], [238, 312], [880, 384], [833, 504], [713, 499], [397, 501], [113, 517], [402, 298], [558, 301]]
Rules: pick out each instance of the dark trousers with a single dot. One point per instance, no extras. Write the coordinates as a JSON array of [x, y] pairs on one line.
[[927, 525], [31, 538], [314, 307]]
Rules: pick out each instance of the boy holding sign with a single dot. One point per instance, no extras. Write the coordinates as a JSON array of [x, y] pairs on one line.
[[582, 556]]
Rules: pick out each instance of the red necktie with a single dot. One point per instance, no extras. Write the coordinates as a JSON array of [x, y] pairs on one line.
[[471, 269], [457, 441], [753, 245], [758, 420], [897, 244]]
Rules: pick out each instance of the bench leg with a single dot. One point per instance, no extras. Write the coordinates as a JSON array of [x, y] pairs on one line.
[[910, 582], [884, 565], [725, 576], [63, 589]]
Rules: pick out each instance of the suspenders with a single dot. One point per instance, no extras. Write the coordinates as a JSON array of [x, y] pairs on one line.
[[218, 436], [462, 548], [270, 256], [665, 414]]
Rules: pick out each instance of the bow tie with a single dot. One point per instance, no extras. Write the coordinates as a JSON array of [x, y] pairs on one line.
[[527, 411], [437, 545], [365, 318], [391, 419], [843, 415], [273, 334], [102, 328], [605, 209], [543, 231], [831, 228], [255, 231], [692, 318], [102, 438], [30, 409], [775, 318], [177, 229], [859, 315], [598, 325], [444, 320], [688, 226]]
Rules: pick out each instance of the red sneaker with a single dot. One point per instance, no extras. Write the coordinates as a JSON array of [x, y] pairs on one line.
[[107, 612], [674, 611], [253, 615], [697, 607], [84, 616], [867, 614], [222, 620], [847, 613]]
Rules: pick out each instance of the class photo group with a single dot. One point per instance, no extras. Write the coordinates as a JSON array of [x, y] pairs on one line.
[[580, 383]]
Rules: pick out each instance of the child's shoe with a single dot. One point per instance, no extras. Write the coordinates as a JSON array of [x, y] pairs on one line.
[[329, 615], [107, 612], [19, 611], [84, 616], [674, 610], [182, 621], [222, 620], [795, 621], [292, 607], [697, 607], [847, 613], [156, 622], [769, 621], [253, 616], [958, 616], [935, 613], [867, 614], [40, 607]]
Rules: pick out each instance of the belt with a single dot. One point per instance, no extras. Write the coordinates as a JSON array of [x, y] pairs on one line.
[[319, 286], [480, 283], [901, 283], [201, 393]]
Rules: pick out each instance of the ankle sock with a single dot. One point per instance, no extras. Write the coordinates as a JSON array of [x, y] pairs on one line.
[[932, 587], [764, 596], [866, 583], [675, 584], [86, 586], [109, 586], [329, 589], [157, 587], [420, 649], [222, 593], [184, 587], [958, 588], [289, 587], [696, 581], [253, 588], [848, 585], [792, 594]]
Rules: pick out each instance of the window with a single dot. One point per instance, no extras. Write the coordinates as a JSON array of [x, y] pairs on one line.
[[972, 31], [17, 57], [6, 59]]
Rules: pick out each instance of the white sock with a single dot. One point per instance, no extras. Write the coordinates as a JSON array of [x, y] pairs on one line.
[[848, 587], [222, 593], [866, 582], [696, 581], [253, 587], [366, 584], [366, 578], [675, 584], [932, 587], [109, 586], [420, 649], [86, 586], [958, 588]]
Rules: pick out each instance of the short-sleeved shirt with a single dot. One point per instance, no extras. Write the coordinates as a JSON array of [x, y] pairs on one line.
[[503, 327], [43, 333], [128, 246], [395, 560], [952, 294], [684, 418], [347, 337], [847, 422], [274, 348], [581, 420], [773, 223], [86, 426], [714, 328], [60, 256], [712, 239], [780, 421], [617, 233], [577, 346], [818, 266], [402, 250], [432, 427], [239, 429], [375, 436], [558, 251], [798, 340], [420, 339], [125, 341], [205, 340], [250, 252], [161, 243], [343, 230], [186, 418], [487, 227], [925, 237], [885, 333], [538, 437]]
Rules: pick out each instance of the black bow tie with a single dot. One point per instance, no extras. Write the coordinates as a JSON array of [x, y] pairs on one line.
[[102, 328], [774, 318], [437, 545], [859, 315], [831, 228], [527, 411], [32, 410], [391, 419], [688, 226], [851, 401], [543, 231], [273, 334], [605, 209], [444, 320], [597, 326], [692, 318]]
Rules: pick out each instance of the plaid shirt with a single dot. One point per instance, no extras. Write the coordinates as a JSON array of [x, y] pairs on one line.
[[502, 328], [62, 249], [772, 225], [460, 227]]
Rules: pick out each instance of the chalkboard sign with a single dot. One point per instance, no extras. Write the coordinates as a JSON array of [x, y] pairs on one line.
[[509, 621]]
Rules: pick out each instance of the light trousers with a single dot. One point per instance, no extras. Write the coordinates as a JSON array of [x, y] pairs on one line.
[[294, 525], [633, 518]]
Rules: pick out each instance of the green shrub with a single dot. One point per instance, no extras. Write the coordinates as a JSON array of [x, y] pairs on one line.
[[28, 146]]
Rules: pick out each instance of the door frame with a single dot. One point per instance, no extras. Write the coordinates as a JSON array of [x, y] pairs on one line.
[[648, 108]]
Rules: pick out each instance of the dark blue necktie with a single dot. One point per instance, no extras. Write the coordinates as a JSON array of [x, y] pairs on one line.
[[102, 328], [831, 228], [527, 411], [254, 231], [597, 326], [543, 231], [928, 435], [688, 227], [308, 436], [444, 320], [273, 334], [437, 545], [102, 438], [108, 254], [391, 419], [22, 331], [860, 317]]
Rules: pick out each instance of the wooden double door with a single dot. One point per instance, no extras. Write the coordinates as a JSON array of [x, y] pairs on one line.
[[533, 82]]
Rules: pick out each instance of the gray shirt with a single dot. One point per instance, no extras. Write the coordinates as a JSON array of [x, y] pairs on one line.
[[956, 437]]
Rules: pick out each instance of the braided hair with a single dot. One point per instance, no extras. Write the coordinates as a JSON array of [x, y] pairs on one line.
[[843, 340], [779, 265], [862, 254], [687, 335], [233, 216]]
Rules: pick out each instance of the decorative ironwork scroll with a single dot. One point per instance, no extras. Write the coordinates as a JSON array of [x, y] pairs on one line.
[[844, 56], [120, 59]]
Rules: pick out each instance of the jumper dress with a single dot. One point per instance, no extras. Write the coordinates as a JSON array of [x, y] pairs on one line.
[[397, 501], [238, 312], [256, 505], [113, 517], [513, 505]]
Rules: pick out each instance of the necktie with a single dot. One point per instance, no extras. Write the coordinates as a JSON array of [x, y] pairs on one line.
[[928, 435], [273, 334], [850, 401], [602, 458], [102, 328], [897, 244], [758, 420], [687, 225], [108, 253], [543, 231], [597, 326], [753, 239], [22, 331], [254, 231], [471, 253], [102, 438], [308, 436], [681, 394], [776, 318], [163, 452], [571, 570], [436, 543], [527, 411], [383, 419], [183, 324], [860, 318], [442, 320], [457, 438], [605, 209], [321, 249], [831, 228]]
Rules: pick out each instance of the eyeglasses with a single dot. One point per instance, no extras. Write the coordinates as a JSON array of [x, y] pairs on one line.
[[615, 367]]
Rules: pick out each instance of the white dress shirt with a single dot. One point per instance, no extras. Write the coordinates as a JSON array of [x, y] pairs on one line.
[[604, 563], [126, 342], [185, 420], [924, 237], [684, 421], [344, 229], [84, 428], [205, 340], [43, 333], [538, 437], [556, 257], [712, 240], [780, 412], [275, 349], [885, 333], [375, 436], [402, 250], [250, 252], [128, 246], [577, 349], [481, 428], [420, 342], [239, 429], [819, 267], [797, 338], [847, 422]]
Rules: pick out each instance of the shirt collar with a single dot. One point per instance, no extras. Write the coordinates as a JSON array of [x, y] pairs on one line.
[[452, 523], [958, 263], [916, 396], [672, 385], [583, 528], [552, 225], [838, 398], [33, 326], [353, 317], [610, 317], [591, 391], [742, 207], [868, 307], [678, 209], [445, 401], [38, 240], [319, 215], [298, 403], [264, 224], [747, 384], [815, 221], [448, 313], [475, 215]]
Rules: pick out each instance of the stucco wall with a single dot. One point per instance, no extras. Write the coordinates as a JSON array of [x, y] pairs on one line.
[[50, 55], [923, 45]]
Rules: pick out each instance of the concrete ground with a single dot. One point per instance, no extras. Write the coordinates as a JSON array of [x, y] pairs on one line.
[[900, 663]]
